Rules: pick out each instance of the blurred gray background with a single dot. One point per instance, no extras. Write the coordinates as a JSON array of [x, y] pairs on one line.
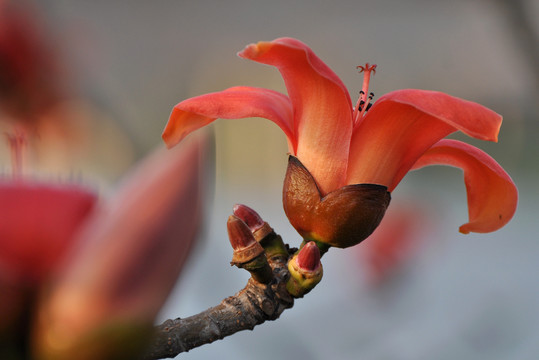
[[457, 296]]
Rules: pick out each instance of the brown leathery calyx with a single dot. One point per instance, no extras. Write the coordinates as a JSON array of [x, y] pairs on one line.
[[341, 218]]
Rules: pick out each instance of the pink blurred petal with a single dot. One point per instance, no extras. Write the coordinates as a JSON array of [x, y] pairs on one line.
[[393, 244], [37, 224], [132, 250]]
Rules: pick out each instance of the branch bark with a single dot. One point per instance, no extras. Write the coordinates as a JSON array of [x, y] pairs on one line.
[[253, 305]]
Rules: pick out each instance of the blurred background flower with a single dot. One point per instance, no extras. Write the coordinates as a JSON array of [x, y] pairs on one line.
[[398, 240], [464, 296], [66, 132]]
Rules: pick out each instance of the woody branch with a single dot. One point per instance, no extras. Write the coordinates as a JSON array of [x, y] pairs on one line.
[[270, 290]]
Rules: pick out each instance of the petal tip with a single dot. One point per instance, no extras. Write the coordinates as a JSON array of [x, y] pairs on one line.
[[170, 139], [249, 52], [464, 230]]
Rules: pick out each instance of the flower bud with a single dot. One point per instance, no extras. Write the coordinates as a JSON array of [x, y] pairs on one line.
[[263, 233], [249, 216], [258, 226], [248, 253], [342, 218], [246, 248], [308, 259], [305, 270]]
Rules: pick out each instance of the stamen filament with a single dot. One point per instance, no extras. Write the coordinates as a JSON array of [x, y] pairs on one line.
[[363, 103], [17, 144]]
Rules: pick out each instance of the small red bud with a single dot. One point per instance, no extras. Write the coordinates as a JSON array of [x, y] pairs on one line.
[[309, 257], [258, 226], [247, 250], [249, 216], [239, 234], [305, 270]]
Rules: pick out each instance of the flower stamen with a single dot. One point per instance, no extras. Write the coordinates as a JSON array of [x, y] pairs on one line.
[[364, 102], [17, 144]]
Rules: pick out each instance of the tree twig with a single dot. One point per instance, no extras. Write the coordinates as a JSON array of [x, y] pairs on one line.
[[253, 305]]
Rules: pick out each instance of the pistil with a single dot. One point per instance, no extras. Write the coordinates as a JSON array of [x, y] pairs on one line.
[[363, 103]]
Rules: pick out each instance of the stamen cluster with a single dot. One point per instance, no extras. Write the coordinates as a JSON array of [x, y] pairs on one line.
[[364, 102]]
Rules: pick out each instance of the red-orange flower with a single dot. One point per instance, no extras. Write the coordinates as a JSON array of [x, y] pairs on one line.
[[37, 226], [106, 265], [342, 146]]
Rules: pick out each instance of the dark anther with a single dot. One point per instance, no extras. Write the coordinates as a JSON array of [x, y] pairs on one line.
[[362, 92], [368, 107], [361, 103], [371, 94]]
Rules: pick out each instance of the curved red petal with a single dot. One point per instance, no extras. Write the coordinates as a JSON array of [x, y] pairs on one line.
[[322, 107], [492, 195], [233, 103], [471, 118], [403, 124], [37, 224]]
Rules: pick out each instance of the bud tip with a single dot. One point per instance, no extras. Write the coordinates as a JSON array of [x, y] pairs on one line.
[[309, 257], [239, 234], [249, 216]]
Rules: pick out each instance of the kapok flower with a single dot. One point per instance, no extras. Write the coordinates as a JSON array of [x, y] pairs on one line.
[[37, 225], [394, 244], [107, 267], [346, 160]]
